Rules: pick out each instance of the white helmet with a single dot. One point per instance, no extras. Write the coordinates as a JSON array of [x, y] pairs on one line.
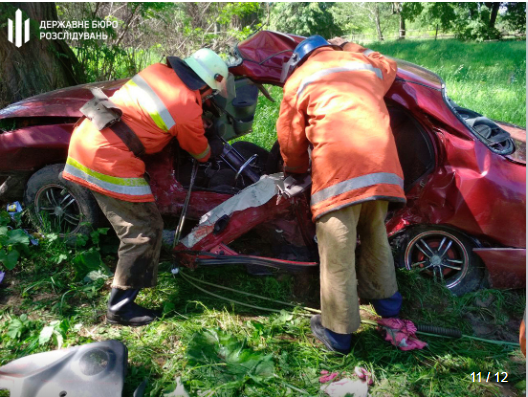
[[210, 68]]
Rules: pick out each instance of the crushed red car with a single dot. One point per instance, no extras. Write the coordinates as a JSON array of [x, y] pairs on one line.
[[464, 223]]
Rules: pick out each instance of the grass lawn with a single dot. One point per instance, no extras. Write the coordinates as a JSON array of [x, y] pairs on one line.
[[218, 345], [184, 343]]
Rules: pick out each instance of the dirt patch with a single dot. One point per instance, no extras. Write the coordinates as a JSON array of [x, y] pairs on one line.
[[10, 300], [44, 297], [7, 295], [508, 390], [487, 323]]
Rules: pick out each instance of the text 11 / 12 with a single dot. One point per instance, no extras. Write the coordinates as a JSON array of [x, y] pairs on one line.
[[489, 377]]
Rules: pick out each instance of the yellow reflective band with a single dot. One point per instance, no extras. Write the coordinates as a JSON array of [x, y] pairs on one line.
[[129, 186], [151, 102], [203, 154], [359, 182]]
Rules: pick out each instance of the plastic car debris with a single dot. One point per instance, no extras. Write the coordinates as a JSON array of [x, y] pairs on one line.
[[13, 209], [93, 370]]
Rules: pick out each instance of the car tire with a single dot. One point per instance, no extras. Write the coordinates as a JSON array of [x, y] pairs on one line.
[[59, 206], [443, 254]]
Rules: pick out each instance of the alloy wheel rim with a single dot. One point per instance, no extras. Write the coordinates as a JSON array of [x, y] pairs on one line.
[[58, 208], [438, 255]]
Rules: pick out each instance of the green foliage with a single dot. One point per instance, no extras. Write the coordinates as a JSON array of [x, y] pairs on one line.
[[223, 364], [13, 242], [7, 124], [22, 332], [304, 19], [264, 132], [469, 21], [472, 22], [431, 14], [108, 60], [362, 19], [515, 18], [147, 32], [18, 327], [54, 332], [234, 10], [86, 257], [33, 333]]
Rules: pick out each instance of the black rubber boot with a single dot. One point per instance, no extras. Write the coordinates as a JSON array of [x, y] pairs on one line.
[[122, 309], [321, 333]]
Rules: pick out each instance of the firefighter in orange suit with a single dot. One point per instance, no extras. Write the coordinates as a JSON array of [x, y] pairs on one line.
[[161, 102], [333, 114]]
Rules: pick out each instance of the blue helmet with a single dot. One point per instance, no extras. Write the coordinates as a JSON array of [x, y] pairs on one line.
[[303, 49]]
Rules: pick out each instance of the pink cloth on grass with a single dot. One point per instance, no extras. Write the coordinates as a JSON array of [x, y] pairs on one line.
[[400, 333]]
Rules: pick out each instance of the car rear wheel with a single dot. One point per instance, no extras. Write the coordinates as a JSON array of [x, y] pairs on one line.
[[56, 205], [443, 255]]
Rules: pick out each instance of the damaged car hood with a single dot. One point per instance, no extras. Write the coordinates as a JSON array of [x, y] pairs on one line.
[[64, 102]]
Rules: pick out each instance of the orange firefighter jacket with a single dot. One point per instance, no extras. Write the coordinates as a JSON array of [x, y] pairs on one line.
[[157, 106], [334, 104]]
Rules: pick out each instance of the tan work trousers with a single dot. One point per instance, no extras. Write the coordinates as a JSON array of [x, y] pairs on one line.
[[373, 276], [139, 227]]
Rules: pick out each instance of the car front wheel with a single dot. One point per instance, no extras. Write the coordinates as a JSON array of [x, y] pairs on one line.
[[60, 206], [444, 255]]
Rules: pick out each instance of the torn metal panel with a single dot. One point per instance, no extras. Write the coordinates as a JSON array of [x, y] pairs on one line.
[[254, 196]]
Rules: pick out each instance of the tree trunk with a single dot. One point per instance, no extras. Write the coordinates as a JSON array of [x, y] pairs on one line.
[[38, 65], [378, 24], [402, 27], [436, 32], [494, 11]]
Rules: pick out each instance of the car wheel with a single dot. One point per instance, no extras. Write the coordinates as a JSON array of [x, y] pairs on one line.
[[444, 255], [60, 206]]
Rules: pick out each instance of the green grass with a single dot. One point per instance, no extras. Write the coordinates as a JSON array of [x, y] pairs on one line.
[[259, 353]]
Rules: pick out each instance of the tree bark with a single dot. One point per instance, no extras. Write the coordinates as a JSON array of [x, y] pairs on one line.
[[38, 65], [402, 27], [378, 23], [494, 12]]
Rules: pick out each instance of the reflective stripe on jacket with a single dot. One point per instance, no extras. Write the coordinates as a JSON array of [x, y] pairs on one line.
[[334, 104], [157, 106]]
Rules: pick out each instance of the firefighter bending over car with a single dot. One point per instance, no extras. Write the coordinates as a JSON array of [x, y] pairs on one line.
[[333, 113], [161, 102]]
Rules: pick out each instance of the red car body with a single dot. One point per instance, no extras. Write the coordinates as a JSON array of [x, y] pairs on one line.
[[468, 186]]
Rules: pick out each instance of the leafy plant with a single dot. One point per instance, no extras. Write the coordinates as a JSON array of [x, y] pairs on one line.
[[88, 260], [56, 331], [224, 365], [12, 242], [22, 331]]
